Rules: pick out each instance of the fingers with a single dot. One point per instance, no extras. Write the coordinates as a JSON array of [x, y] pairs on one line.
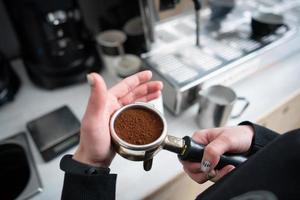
[[198, 177], [205, 136], [195, 172], [191, 167], [213, 151], [220, 173], [98, 95], [144, 92], [129, 84], [217, 143], [150, 97]]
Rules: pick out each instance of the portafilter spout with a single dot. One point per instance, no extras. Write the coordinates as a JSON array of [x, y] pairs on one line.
[[186, 148]]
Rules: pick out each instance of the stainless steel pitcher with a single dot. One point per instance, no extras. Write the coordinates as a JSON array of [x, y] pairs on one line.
[[216, 104]]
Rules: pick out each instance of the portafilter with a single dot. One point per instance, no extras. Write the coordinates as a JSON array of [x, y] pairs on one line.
[[186, 148]]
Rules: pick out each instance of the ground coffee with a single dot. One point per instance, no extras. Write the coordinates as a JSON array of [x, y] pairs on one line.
[[138, 126]]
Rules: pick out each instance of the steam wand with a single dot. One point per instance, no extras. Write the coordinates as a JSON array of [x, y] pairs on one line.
[[197, 6]]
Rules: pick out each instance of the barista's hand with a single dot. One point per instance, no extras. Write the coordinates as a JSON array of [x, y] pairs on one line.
[[95, 142], [218, 141]]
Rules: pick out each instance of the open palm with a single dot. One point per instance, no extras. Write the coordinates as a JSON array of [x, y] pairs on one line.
[[95, 141]]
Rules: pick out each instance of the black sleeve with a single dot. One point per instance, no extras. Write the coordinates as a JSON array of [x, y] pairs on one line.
[[84, 182], [262, 136]]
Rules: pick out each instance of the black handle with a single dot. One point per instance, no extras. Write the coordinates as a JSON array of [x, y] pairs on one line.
[[194, 152]]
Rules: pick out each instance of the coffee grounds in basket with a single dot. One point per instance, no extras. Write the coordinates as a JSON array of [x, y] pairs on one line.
[[138, 126]]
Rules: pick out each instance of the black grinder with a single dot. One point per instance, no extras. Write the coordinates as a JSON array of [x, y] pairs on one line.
[[9, 81], [57, 48]]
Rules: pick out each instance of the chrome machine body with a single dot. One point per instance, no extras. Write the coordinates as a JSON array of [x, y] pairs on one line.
[[225, 56]]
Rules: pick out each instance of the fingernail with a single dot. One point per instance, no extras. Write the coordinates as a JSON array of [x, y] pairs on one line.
[[90, 79], [205, 166], [212, 174], [230, 169]]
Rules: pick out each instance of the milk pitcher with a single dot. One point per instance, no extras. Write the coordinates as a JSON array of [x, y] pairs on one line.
[[216, 104]]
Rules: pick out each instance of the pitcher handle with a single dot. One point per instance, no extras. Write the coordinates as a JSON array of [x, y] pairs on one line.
[[243, 109]]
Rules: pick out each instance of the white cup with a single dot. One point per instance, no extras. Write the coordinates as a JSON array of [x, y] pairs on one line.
[[110, 45], [128, 65]]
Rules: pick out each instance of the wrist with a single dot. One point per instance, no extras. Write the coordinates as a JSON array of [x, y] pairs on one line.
[[71, 166], [249, 129], [250, 132], [82, 157]]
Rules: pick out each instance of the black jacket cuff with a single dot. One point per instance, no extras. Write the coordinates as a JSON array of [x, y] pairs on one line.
[[69, 165], [262, 136], [85, 182]]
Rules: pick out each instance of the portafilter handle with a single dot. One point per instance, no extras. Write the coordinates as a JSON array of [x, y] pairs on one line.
[[193, 151]]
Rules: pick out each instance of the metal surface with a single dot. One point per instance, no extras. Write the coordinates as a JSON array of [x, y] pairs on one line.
[[197, 33], [34, 185], [216, 104], [184, 68], [173, 144], [148, 15]]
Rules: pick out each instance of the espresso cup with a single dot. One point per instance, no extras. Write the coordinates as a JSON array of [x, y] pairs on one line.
[[128, 65], [111, 47], [111, 42], [135, 43], [263, 24], [216, 104]]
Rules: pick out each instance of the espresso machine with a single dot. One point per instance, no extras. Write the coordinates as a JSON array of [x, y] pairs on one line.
[[212, 43], [57, 48]]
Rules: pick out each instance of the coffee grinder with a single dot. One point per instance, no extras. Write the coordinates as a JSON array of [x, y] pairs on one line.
[[57, 48], [9, 81]]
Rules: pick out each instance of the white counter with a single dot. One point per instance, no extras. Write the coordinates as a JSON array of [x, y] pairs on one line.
[[265, 90]]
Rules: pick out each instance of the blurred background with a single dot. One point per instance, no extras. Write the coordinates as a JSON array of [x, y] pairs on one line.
[[48, 47]]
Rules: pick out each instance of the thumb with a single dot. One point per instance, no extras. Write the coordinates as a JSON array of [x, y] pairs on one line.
[[98, 95], [212, 153]]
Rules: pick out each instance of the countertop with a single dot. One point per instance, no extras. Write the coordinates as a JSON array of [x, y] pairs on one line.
[[265, 89]]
